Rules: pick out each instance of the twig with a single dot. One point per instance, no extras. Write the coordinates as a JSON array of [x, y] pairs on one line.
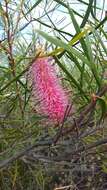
[[66, 157], [67, 111], [87, 110], [23, 152], [63, 187], [17, 77]]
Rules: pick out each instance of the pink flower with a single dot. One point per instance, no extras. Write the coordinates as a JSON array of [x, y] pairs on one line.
[[47, 88]]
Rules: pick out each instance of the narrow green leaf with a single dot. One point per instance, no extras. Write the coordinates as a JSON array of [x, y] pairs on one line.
[[78, 30], [65, 46], [35, 5], [86, 16], [92, 62], [103, 106], [101, 42], [71, 77], [66, 6], [69, 49]]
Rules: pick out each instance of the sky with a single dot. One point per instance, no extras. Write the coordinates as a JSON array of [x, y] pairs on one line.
[[60, 17]]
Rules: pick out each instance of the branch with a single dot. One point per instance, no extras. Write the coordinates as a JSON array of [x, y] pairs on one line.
[[65, 157], [87, 110], [24, 152]]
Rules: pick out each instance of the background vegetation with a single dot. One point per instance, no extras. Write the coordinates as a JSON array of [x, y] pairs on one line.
[[36, 154]]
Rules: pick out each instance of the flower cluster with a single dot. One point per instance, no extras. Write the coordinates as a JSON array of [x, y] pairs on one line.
[[46, 86]]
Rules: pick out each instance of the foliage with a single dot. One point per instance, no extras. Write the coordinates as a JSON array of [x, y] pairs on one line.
[[34, 153]]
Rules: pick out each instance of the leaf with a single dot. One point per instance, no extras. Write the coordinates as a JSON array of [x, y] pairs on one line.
[[103, 106], [65, 46], [78, 30], [101, 42], [66, 6], [35, 5], [86, 16], [70, 49], [71, 78], [75, 39], [104, 168]]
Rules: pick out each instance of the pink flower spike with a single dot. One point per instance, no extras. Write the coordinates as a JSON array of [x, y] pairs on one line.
[[46, 86]]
